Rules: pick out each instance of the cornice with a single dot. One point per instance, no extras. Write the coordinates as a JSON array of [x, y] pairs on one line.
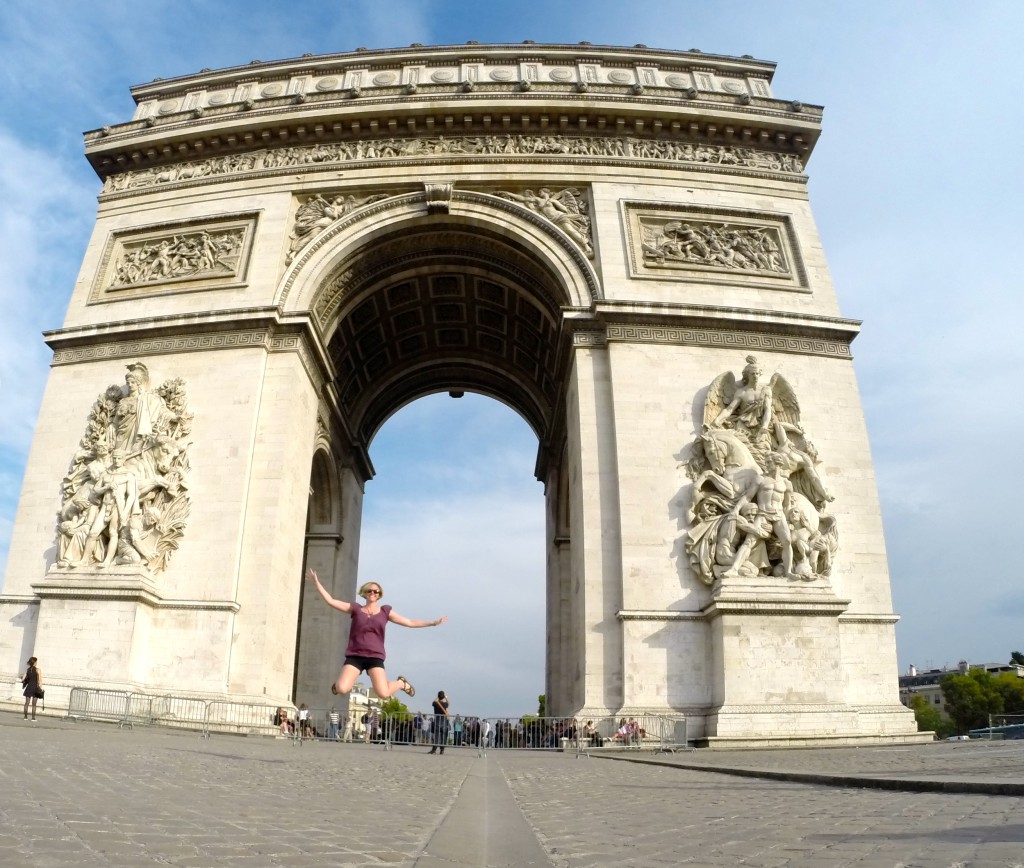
[[132, 588], [475, 90], [778, 605], [708, 326]]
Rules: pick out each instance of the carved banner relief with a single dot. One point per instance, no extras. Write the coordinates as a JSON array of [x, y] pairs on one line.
[[175, 258], [738, 247], [758, 506], [125, 497], [494, 147]]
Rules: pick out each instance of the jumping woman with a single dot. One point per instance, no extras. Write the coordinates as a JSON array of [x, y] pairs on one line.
[[365, 649]]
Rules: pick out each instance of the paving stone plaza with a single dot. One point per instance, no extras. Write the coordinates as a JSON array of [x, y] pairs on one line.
[[94, 795]]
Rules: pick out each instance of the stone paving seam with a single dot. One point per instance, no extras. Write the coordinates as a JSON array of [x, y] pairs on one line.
[[916, 785]]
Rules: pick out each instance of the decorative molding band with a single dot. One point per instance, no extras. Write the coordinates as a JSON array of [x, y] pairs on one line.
[[456, 150], [224, 340], [656, 615], [137, 590], [18, 600], [728, 339], [589, 339], [793, 708], [821, 607], [857, 618]]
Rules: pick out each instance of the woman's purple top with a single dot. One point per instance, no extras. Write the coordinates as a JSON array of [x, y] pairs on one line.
[[366, 635]]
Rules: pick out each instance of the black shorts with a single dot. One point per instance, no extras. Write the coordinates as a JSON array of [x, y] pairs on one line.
[[365, 663]]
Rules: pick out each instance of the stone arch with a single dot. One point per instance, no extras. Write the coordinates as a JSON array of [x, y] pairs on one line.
[[490, 280]]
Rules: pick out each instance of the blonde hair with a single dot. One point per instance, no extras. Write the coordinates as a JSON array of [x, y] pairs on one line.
[[363, 587]]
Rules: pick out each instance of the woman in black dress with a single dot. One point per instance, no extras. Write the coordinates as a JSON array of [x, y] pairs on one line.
[[32, 681]]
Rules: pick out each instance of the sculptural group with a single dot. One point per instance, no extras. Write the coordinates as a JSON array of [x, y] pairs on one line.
[[125, 497], [758, 505]]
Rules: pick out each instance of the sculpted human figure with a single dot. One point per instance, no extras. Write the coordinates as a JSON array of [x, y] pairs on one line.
[[741, 538], [751, 406], [141, 413], [797, 460], [773, 495], [120, 500], [808, 543]]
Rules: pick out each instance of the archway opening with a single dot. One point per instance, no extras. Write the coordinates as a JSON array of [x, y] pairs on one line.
[[416, 315], [453, 524]]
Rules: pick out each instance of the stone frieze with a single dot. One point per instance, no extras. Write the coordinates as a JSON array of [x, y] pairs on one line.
[[494, 147]]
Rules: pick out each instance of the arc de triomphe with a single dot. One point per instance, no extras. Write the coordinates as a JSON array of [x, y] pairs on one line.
[[617, 243]]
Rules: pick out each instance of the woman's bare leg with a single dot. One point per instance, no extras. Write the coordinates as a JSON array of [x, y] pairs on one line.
[[347, 679], [381, 686]]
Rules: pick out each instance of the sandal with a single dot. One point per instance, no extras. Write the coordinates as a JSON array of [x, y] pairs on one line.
[[408, 687]]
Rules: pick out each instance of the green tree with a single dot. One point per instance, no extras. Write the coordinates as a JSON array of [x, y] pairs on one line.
[[971, 698], [395, 709], [929, 718], [542, 705], [1017, 657], [1011, 688]]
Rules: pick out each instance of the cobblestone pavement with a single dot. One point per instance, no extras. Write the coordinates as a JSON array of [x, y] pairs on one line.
[[93, 795]]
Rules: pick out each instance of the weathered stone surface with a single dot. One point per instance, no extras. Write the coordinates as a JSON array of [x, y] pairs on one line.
[[598, 237]]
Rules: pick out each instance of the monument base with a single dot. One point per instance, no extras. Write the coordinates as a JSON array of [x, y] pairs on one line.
[[113, 629]]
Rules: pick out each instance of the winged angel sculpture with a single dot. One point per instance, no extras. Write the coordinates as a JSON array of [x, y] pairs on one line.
[[125, 497], [758, 506], [567, 209]]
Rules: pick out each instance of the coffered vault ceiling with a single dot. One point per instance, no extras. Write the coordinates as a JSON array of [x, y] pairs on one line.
[[448, 309]]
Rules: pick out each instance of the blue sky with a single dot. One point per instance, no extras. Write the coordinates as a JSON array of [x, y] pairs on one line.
[[915, 186]]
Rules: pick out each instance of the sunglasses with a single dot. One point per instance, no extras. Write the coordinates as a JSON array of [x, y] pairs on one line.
[[371, 591]]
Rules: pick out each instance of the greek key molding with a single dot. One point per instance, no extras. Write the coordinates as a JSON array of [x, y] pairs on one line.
[[728, 339], [589, 339], [223, 340], [226, 340]]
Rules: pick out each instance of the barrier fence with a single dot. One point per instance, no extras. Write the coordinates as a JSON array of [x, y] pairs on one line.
[[181, 712], [580, 736]]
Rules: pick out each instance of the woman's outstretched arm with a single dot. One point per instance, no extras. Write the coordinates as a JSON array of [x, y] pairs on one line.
[[337, 604], [402, 621]]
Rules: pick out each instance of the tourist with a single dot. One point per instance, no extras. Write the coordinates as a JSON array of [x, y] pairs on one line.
[[32, 681], [333, 724], [440, 706], [365, 650]]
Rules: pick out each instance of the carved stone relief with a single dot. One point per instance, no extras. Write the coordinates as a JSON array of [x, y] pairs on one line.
[[712, 245], [566, 209], [594, 147], [758, 505], [125, 498], [196, 254], [317, 213], [735, 246], [174, 257]]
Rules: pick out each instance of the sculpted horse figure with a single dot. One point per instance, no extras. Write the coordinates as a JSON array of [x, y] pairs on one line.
[[732, 465]]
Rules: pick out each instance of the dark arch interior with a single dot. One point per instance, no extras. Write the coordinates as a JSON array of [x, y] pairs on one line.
[[447, 309]]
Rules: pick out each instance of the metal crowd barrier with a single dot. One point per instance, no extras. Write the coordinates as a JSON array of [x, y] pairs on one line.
[[578, 735], [102, 705], [180, 712]]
